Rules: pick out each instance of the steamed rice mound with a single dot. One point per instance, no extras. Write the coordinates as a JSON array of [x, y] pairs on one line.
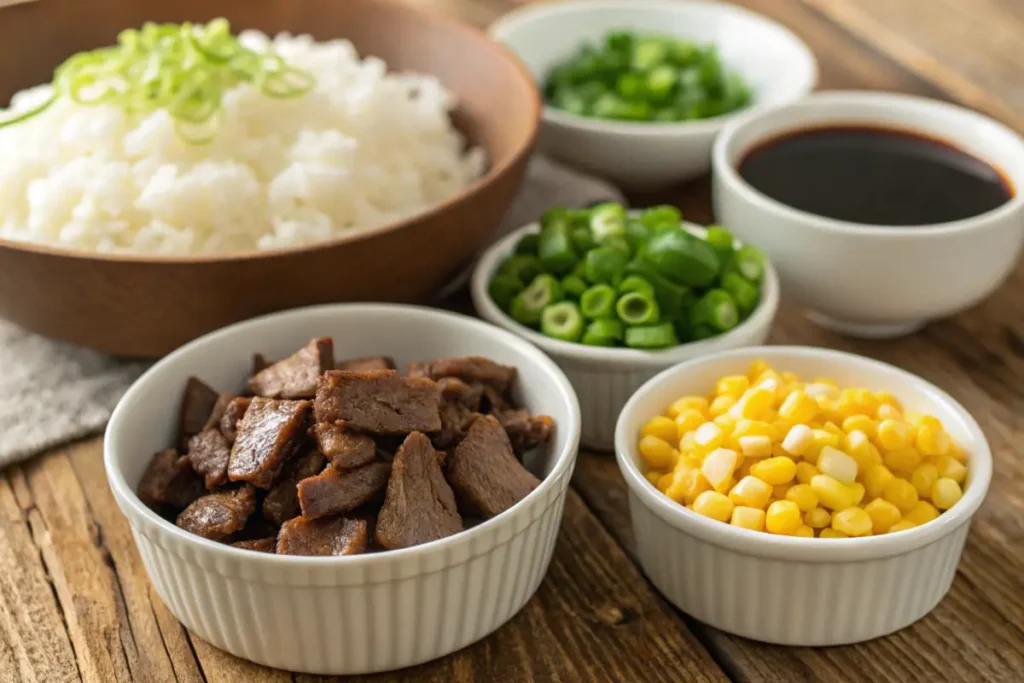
[[363, 148]]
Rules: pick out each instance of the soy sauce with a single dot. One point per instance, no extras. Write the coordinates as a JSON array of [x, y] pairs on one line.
[[874, 176]]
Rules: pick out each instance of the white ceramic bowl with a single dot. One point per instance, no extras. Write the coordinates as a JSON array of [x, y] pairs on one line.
[[605, 378], [875, 281], [345, 615], [776, 64], [785, 589]]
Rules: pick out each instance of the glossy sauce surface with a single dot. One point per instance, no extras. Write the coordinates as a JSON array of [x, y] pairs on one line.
[[874, 176]]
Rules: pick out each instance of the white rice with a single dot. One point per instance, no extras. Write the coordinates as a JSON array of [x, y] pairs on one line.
[[365, 147]]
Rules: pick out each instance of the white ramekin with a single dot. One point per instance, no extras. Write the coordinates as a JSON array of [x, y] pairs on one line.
[[345, 615], [784, 589], [777, 65], [605, 378], [872, 280]]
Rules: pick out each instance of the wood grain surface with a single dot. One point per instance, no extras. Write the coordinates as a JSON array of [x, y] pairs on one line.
[[75, 603]]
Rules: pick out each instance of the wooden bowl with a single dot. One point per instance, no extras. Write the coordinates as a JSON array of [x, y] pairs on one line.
[[144, 306]]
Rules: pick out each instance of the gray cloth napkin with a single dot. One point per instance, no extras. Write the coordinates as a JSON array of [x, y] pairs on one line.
[[52, 393]]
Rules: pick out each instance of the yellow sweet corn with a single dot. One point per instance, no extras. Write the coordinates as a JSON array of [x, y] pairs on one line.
[[949, 467], [901, 525], [852, 522], [732, 385], [780, 470], [804, 531], [783, 517], [662, 427], [876, 479], [664, 481], [902, 494], [837, 465], [751, 492], [714, 505], [721, 404], [923, 478], [883, 515], [708, 436], [860, 448], [804, 497], [921, 513], [931, 438], [818, 518], [688, 420], [755, 446], [726, 423], [718, 467], [798, 439], [757, 368], [754, 403], [903, 460], [832, 533], [893, 435], [888, 412], [805, 471], [653, 476], [698, 403], [860, 423], [657, 452], [799, 407], [945, 493], [687, 486], [747, 518]]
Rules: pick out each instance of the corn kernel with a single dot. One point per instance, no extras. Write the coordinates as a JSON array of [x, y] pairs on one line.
[[876, 479], [949, 467], [860, 448], [798, 439], [783, 517], [721, 404], [653, 476], [687, 462], [819, 389], [901, 525], [804, 531], [698, 403], [946, 493], [779, 491], [732, 385], [799, 407], [755, 428], [893, 435], [688, 420], [822, 438], [661, 427], [714, 505], [744, 469], [708, 435], [932, 439], [831, 493], [657, 452], [804, 497], [923, 478], [903, 460], [726, 423], [775, 470], [754, 403], [779, 452], [832, 533], [751, 492], [885, 398], [922, 512], [856, 490], [860, 423], [888, 412], [718, 467], [957, 453], [757, 368], [852, 522], [837, 465], [747, 518], [688, 443], [805, 471], [755, 446], [818, 518], [847, 404], [902, 494], [664, 481], [883, 515]]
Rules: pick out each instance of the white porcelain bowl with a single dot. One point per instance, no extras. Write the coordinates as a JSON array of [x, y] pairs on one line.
[[875, 281], [605, 378], [345, 615], [785, 589], [776, 64]]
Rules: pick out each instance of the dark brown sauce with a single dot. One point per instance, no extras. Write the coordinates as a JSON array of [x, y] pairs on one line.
[[874, 176]]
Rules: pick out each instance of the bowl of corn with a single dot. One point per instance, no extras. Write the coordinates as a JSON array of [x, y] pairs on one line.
[[800, 496]]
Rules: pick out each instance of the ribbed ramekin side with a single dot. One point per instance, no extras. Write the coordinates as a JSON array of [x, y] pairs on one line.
[[602, 393]]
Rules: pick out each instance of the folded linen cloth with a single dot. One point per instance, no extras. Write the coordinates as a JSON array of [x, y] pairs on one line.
[[52, 393]]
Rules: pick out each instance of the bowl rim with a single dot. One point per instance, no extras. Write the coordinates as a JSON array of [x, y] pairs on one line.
[[762, 315], [725, 173], [563, 460], [493, 173], [793, 548], [649, 129]]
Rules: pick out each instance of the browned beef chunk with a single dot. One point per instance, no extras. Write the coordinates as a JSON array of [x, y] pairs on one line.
[[484, 473], [368, 363], [419, 506], [260, 545], [455, 390], [282, 501], [344, 448], [470, 369], [455, 419], [267, 436], [170, 480], [333, 491], [224, 399], [196, 405], [209, 452], [525, 431], [295, 376], [218, 515], [233, 414], [378, 401], [334, 536]]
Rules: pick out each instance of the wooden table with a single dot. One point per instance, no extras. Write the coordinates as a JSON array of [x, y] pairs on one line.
[[75, 603]]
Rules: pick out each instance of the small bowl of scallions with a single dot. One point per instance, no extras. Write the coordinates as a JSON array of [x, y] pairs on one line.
[[616, 296], [636, 90]]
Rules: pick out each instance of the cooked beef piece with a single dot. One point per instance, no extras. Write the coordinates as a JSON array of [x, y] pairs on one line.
[[282, 501], [333, 491], [455, 419], [209, 452], [260, 545], [455, 390], [525, 431], [484, 473], [259, 363], [224, 399], [493, 401], [295, 376], [419, 505], [378, 401], [267, 436], [470, 369], [218, 515], [368, 363], [170, 480], [233, 414], [196, 405], [334, 536], [257, 527], [345, 449]]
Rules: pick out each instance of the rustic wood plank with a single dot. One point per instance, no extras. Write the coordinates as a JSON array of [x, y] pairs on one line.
[[34, 643]]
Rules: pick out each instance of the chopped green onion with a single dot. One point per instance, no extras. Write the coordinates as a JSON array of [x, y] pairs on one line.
[[562, 321], [651, 336], [700, 332], [658, 217], [682, 258], [608, 220], [582, 239], [717, 310], [503, 289], [635, 308], [635, 283], [603, 332], [555, 246], [721, 241], [527, 305], [522, 267], [742, 292], [598, 302], [527, 245], [749, 262], [574, 286], [605, 265]]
